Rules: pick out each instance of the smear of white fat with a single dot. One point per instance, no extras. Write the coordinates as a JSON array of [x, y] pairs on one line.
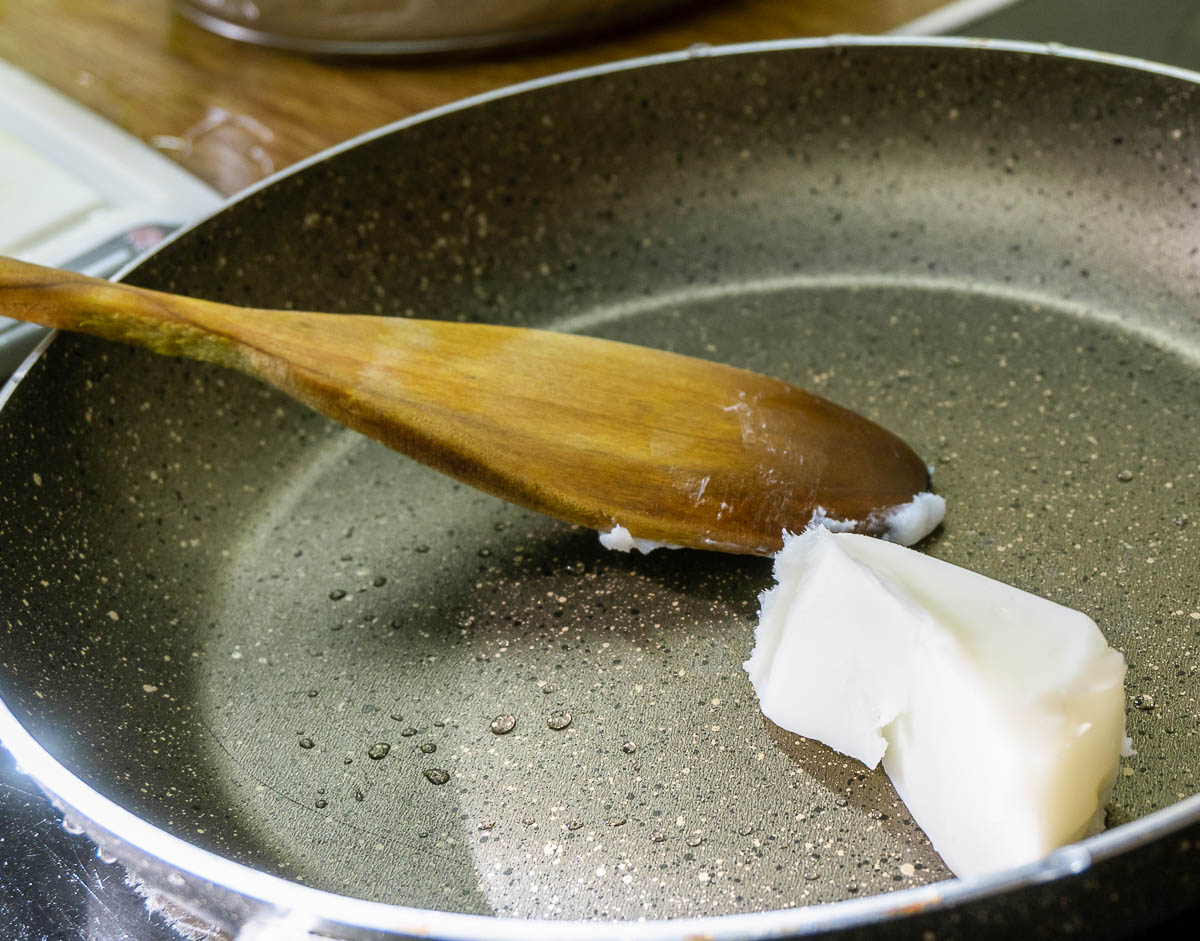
[[621, 540]]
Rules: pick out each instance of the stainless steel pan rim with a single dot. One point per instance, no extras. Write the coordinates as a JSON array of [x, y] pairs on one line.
[[145, 846]]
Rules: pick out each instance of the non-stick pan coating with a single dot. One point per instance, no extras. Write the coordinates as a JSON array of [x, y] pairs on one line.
[[216, 605]]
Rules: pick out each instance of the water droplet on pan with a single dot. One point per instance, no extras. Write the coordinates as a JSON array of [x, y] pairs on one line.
[[559, 720], [306, 742], [428, 747], [379, 750], [502, 725], [436, 775]]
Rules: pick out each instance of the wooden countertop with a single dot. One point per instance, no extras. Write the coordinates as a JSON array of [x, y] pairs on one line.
[[232, 113]]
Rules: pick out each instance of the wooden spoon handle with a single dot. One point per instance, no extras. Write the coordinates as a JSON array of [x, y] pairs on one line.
[[164, 323]]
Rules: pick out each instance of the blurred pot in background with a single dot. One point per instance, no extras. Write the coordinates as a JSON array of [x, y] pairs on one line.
[[409, 27]]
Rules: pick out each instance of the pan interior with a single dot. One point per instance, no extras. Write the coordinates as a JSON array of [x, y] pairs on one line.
[[274, 638], [367, 604]]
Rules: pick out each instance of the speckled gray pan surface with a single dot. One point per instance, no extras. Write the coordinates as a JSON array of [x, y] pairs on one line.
[[222, 610]]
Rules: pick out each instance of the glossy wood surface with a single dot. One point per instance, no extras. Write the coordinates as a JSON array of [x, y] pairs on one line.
[[232, 113]]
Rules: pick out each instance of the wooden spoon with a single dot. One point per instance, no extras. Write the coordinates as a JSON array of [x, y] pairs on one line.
[[596, 432]]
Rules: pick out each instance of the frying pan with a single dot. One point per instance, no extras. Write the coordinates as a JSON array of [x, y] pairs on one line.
[[220, 610]]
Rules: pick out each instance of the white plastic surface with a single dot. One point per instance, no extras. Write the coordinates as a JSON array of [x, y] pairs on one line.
[[77, 192], [38, 198]]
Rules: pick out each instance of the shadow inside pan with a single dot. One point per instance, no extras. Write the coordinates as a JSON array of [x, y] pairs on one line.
[[275, 639]]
